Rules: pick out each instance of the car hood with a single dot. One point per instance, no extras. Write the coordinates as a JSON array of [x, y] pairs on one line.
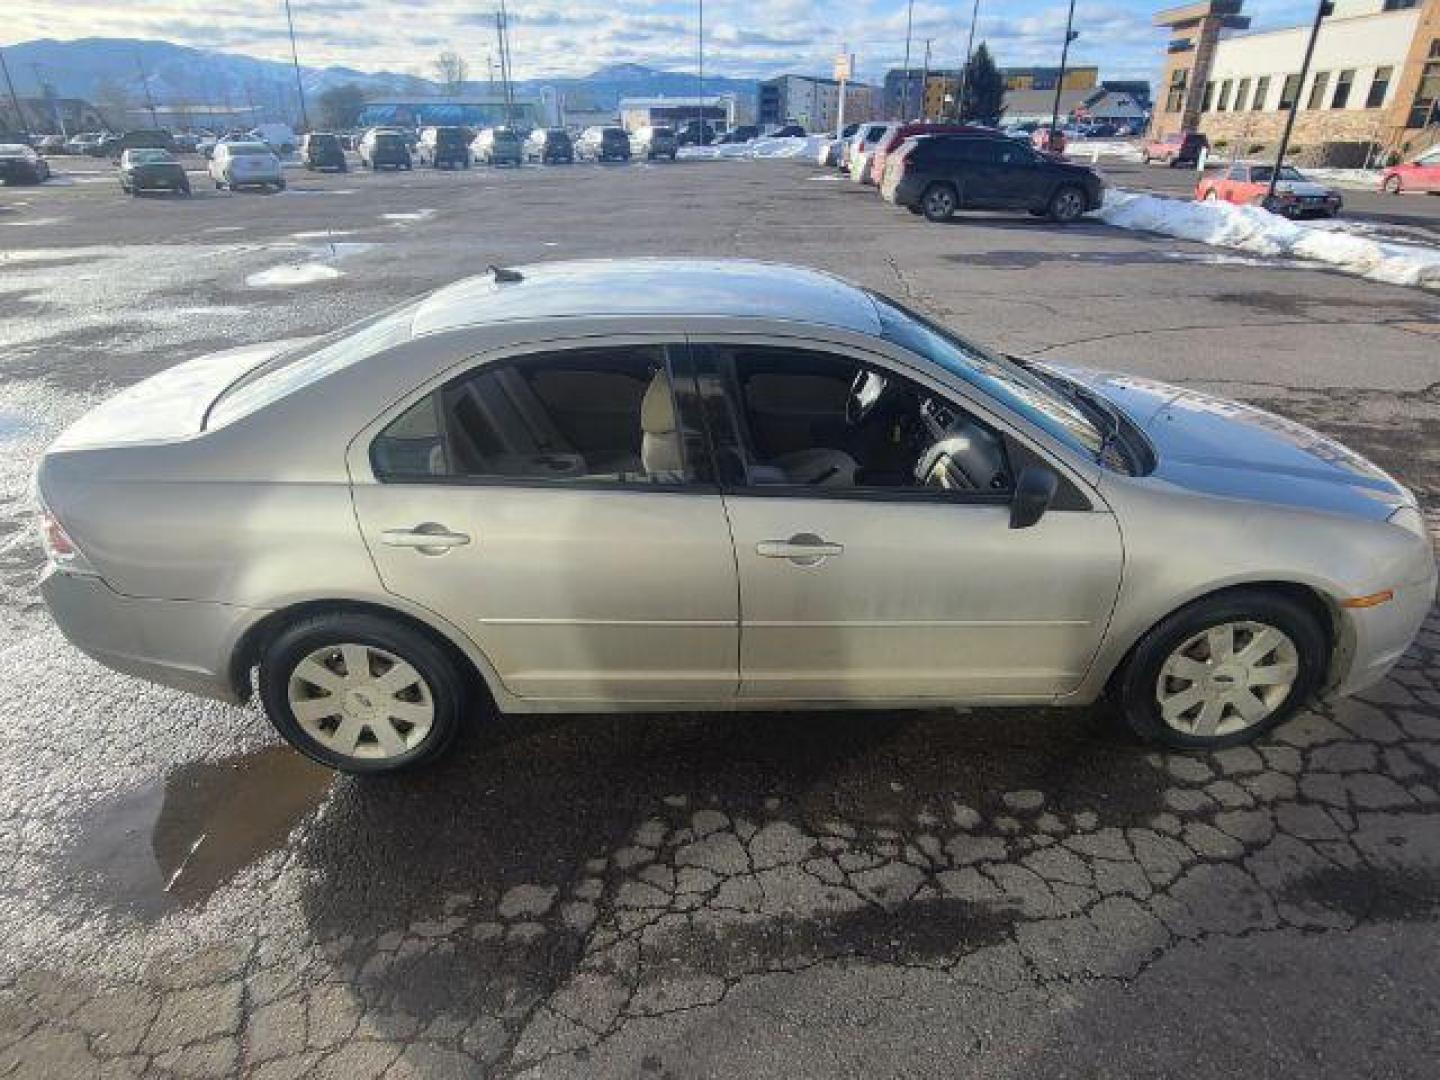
[[1302, 187], [1228, 448]]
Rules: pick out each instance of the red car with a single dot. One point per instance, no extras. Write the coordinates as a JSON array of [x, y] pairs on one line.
[[1176, 149], [1249, 185], [908, 131], [1422, 174]]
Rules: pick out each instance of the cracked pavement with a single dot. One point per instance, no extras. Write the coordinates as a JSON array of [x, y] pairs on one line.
[[989, 893]]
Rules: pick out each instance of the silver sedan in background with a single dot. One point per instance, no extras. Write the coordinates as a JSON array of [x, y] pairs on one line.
[[626, 485]]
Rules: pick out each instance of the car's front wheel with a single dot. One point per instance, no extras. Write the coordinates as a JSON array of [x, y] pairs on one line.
[[362, 693], [1392, 185], [938, 202], [1066, 205], [1223, 670]]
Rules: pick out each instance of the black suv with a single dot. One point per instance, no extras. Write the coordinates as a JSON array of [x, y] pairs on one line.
[[549, 145], [936, 175], [445, 147], [322, 150]]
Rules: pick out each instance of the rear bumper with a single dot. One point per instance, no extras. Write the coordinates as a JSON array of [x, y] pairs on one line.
[[182, 644]]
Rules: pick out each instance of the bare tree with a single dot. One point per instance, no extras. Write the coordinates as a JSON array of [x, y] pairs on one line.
[[451, 71]]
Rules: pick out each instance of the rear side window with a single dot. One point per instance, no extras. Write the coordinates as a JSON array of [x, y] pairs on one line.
[[606, 415]]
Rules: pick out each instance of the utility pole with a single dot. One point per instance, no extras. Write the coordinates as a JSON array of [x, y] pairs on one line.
[[14, 98], [905, 83], [925, 81], [295, 57], [1323, 8], [700, 73], [490, 64], [1070, 35], [502, 28], [965, 71], [145, 85]]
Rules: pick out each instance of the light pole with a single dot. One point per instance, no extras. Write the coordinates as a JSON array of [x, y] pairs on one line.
[[1323, 8], [965, 71], [14, 98], [1070, 35], [905, 72], [925, 81], [295, 58], [700, 72]]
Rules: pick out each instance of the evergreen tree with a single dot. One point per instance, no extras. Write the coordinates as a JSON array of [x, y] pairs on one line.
[[984, 97]]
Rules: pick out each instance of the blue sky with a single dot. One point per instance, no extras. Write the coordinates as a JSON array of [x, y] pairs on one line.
[[743, 37]]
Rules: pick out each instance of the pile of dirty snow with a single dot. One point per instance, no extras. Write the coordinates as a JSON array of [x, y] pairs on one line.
[[807, 147], [1092, 149], [1255, 230]]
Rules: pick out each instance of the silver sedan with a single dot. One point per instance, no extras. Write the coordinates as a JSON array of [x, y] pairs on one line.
[[627, 485]]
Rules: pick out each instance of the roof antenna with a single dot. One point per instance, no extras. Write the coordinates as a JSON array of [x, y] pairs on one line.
[[501, 273]]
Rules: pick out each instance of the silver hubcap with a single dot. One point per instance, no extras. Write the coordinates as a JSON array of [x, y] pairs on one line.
[[361, 701], [940, 202], [1227, 678]]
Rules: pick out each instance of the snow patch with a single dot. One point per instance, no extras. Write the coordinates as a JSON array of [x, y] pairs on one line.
[[1255, 230], [409, 215], [1088, 149], [321, 234], [279, 277], [807, 147]]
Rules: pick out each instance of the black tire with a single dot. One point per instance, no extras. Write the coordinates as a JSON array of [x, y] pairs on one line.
[[938, 202], [184, 189], [280, 184], [1392, 185], [1137, 683], [446, 684], [1067, 204]]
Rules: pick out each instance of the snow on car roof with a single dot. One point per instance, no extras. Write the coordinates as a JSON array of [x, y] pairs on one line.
[[654, 287]]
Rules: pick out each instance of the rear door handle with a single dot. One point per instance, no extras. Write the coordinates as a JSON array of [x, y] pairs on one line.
[[802, 549], [427, 538]]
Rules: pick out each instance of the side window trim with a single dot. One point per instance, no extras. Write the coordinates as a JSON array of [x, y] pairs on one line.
[[674, 348]]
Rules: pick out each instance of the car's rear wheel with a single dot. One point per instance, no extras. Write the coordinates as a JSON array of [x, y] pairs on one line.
[[1392, 185], [1223, 670], [1066, 205], [362, 693], [938, 202]]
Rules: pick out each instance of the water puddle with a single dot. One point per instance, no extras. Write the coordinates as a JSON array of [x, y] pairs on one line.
[[173, 842]]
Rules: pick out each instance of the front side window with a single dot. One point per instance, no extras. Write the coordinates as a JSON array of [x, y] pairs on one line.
[[1008, 383], [802, 418], [592, 416]]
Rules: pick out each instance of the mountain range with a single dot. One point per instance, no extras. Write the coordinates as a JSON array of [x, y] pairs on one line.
[[101, 69]]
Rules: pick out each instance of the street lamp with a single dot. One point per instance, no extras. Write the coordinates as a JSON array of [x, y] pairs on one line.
[[1070, 35], [965, 71], [295, 57], [1325, 7]]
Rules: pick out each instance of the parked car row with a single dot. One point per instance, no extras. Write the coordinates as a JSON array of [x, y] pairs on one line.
[[1246, 184], [936, 169], [20, 164]]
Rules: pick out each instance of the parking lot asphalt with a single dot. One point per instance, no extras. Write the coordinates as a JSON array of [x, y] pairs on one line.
[[960, 893]]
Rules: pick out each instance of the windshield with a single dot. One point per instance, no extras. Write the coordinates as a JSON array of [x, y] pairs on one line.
[[1261, 174], [247, 149], [1010, 384], [290, 371], [149, 157]]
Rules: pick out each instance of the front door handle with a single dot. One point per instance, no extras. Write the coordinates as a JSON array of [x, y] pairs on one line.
[[428, 538], [802, 549]]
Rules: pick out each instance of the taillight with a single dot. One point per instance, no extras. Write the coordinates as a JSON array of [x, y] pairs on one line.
[[59, 548]]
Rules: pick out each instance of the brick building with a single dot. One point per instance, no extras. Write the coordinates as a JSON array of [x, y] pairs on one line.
[[1373, 84]]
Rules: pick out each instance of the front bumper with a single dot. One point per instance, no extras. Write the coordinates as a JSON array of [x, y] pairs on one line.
[[1379, 636], [184, 644]]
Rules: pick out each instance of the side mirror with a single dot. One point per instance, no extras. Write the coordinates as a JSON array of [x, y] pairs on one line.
[[1035, 487]]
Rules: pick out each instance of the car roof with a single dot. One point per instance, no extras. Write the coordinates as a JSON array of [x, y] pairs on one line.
[[649, 287]]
